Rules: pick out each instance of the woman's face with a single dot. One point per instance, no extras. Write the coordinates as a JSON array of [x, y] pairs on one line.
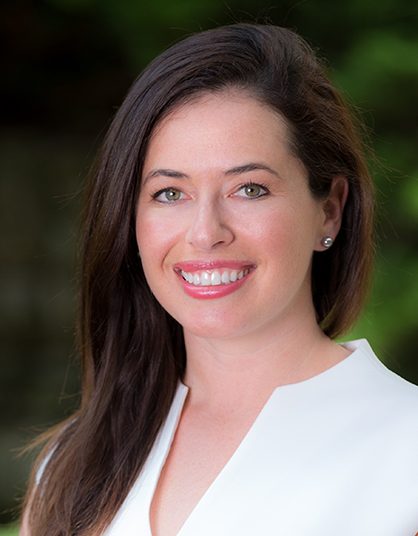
[[226, 225]]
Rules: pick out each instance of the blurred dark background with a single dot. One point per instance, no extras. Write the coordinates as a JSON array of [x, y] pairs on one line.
[[66, 65]]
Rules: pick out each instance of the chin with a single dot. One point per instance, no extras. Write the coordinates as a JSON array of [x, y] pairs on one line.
[[214, 327]]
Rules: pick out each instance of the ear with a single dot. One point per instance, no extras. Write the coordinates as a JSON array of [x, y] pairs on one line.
[[332, 209]]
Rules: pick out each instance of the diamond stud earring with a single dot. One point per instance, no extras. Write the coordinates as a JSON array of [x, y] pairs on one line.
[[327, 241]]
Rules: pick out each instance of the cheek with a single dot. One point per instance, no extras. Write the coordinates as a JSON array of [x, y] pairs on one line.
[[155, 236], [275, 227], [289, 236]]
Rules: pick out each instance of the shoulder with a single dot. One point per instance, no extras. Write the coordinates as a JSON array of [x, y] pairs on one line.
[[54, 439], [377, 375], [383, 392]]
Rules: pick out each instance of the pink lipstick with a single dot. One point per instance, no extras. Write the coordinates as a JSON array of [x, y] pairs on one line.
[[212, 279]]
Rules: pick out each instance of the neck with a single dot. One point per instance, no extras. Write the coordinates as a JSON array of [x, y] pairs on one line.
[[224, 374]]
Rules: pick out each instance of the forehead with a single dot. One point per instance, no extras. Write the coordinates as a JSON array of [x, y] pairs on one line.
[[221, 128]]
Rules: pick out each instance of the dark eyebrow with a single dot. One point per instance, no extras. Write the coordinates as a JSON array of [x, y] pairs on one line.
[[238, 170], [252, 166], [165, 173]]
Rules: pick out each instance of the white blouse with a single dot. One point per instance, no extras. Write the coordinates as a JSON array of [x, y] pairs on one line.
[[336, 454]]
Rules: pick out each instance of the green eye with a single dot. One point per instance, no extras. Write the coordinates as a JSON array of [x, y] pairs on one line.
[[172, 195], [167, 195], [253, 190]]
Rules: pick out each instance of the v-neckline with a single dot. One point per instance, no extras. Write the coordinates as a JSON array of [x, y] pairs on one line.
[[171, 425], [180, 399]]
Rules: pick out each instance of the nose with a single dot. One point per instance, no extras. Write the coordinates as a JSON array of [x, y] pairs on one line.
[[208, 228]]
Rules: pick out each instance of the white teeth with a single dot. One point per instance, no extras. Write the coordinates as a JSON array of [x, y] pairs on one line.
[[213, 277], [225, 277], [205, 279]]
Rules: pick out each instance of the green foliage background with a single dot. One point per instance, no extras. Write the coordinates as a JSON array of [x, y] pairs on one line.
[[67, 65]]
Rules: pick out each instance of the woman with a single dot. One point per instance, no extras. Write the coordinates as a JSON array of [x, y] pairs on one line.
[[228, 241]]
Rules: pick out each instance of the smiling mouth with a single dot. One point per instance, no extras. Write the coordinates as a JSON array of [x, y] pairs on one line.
[[214, 278]]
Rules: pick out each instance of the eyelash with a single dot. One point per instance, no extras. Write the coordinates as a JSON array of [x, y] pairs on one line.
[[157, 194], [246, 185], [259, 184]]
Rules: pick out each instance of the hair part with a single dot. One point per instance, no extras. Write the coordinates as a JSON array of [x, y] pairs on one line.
[[132, 350]]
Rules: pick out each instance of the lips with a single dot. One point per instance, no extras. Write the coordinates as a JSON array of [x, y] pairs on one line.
[[212, 279], [194, 266]]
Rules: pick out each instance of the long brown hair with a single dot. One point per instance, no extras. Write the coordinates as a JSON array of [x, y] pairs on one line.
[[132, 351]]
